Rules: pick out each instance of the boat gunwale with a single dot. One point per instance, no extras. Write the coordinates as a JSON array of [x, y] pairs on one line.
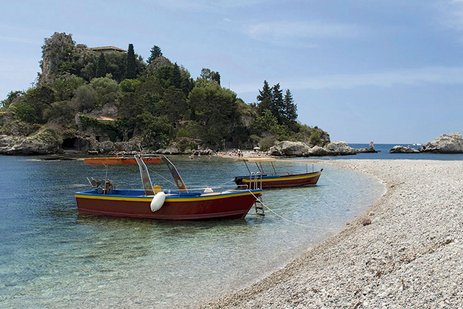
[[170, 197]]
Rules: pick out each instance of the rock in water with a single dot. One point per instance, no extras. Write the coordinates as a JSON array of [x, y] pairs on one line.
[[403, 149], [340, 148], [446, 143]]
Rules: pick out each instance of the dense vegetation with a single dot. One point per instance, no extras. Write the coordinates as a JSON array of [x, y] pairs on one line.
[[156, 102]]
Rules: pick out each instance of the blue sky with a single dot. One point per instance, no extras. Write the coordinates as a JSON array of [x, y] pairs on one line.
[[365, 70]]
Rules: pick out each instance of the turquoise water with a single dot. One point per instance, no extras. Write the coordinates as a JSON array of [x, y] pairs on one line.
[[53, 257], [383, 153]]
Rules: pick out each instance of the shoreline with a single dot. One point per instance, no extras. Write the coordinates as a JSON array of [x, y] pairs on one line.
[[405, 250]]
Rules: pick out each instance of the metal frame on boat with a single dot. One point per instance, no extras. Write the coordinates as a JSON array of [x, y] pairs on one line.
[[275, 179], [172, 204]]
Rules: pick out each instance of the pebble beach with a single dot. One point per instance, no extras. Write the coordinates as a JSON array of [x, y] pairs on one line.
[[405, 251]]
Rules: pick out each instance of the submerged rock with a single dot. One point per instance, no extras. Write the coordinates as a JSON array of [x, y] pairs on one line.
[[446, 143]]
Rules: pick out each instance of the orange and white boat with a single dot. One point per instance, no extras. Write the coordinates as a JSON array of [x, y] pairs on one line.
[[120, 160]]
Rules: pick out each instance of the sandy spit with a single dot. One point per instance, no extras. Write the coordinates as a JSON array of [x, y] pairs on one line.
[[406, 251]]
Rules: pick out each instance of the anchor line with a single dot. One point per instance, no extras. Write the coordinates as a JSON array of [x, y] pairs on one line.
[[276, 214]]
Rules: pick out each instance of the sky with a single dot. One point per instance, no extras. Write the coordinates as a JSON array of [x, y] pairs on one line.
[[387, 71]]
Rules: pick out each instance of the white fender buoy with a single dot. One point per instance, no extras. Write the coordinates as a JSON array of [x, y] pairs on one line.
[[157, 201]]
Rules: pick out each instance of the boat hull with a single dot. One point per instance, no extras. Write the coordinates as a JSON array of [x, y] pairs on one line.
[[280, 181], [235, 204]]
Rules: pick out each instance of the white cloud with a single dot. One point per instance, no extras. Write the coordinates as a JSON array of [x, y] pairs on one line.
[[411, 77]]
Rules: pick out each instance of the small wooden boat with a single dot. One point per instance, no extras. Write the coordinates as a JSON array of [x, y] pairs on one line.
[[120, 160], [154, 203], [275, 180]]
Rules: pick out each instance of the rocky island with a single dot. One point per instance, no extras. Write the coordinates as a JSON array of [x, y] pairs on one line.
[[446, 143], [107, 100]]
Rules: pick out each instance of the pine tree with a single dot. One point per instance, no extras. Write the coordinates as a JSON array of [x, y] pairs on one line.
[[264, 99], [131, 71], [290, 110], [155, 53], [277, 105], [176, 78], [215, 76], [101, 66]]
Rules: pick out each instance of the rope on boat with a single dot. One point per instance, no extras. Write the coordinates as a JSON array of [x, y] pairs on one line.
[[166, 179], [276, 214]]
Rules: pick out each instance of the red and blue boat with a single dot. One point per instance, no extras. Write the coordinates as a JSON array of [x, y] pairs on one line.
[[152, 202], [265, 180]]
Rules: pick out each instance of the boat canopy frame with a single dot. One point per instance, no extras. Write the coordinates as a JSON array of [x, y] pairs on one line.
[[144, 172], [259, 166]]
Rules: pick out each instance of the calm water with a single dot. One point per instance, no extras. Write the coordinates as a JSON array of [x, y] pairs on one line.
[[51, 256], [384, 154]]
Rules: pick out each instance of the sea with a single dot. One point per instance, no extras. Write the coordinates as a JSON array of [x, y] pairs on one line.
[[383, 153], [53, 257]]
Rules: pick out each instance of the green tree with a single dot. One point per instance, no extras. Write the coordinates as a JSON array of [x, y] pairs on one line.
[[85, 99], [39, 98], [26, 112], [155, 53], [154, 129], [264, 99], [173, 105], [290, 111], [215, 109], [145, 97], [65, 86], [264, 123], [129, 85], [106, 88], [176, 78], [115, 64], [11, 97], [101, 66], [210, 75], [131, 71], [60, 112], [277, 105]]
